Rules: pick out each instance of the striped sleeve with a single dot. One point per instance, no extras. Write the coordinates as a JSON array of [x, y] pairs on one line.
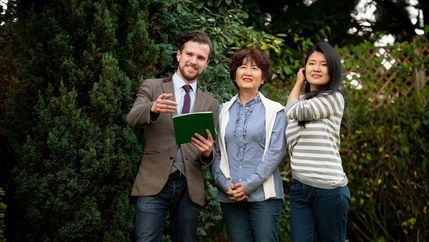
[[319, 107]]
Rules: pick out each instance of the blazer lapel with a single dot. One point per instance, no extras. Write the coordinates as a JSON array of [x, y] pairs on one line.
[[200, 101]]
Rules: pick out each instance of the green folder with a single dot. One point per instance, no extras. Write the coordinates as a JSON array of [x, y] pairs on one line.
[[185, 125]]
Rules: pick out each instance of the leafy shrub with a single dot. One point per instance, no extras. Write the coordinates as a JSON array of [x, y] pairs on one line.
[[386, 157]]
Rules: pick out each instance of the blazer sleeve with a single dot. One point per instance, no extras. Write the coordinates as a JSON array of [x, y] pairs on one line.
[[140, 114]]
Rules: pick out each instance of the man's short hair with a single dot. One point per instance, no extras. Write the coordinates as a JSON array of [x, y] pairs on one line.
[[195, 36]]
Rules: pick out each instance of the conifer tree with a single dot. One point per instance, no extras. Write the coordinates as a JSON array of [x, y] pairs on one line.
[[78, 65]]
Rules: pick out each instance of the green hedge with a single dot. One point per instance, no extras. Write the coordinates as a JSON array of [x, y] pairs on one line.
[[385, 144], [386, 157]]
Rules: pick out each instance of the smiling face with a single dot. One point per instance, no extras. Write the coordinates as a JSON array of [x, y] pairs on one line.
[[193, 59], [316, 71], [248, 76]]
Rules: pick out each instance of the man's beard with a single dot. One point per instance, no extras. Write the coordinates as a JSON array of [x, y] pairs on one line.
[[186, 76]]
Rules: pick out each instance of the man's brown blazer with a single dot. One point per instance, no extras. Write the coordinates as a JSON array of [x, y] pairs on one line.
[[160, 144]]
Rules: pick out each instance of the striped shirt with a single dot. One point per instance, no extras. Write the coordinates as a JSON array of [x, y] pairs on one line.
[[314, 149]]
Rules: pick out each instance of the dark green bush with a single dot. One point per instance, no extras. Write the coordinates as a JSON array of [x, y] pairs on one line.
[[76, 68], [386, 156], [384, 141]]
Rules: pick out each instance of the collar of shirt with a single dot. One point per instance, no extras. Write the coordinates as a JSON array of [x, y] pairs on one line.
[[179, 92], [256, 99]]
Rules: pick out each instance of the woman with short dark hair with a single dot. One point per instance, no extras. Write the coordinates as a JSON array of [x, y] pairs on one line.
[[251, 146]]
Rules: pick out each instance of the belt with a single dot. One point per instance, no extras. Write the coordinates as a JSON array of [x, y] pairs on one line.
[[176, 175]]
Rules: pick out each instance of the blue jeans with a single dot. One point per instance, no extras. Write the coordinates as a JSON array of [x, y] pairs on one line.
[[253, 221], [318, 214], [151, 213]]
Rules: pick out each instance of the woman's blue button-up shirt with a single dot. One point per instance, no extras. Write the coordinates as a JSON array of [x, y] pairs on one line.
[[245, 145]]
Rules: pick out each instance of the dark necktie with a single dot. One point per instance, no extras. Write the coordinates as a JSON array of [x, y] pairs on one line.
[[187, 99]]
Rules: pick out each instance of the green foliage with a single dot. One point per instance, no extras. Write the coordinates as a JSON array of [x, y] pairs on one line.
[[386, 158], [211, 216], [79, 66], [384, 143], [285, 232]]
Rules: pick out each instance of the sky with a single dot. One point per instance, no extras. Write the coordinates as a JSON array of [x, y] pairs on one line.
[[3, 3], [365, 14]]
